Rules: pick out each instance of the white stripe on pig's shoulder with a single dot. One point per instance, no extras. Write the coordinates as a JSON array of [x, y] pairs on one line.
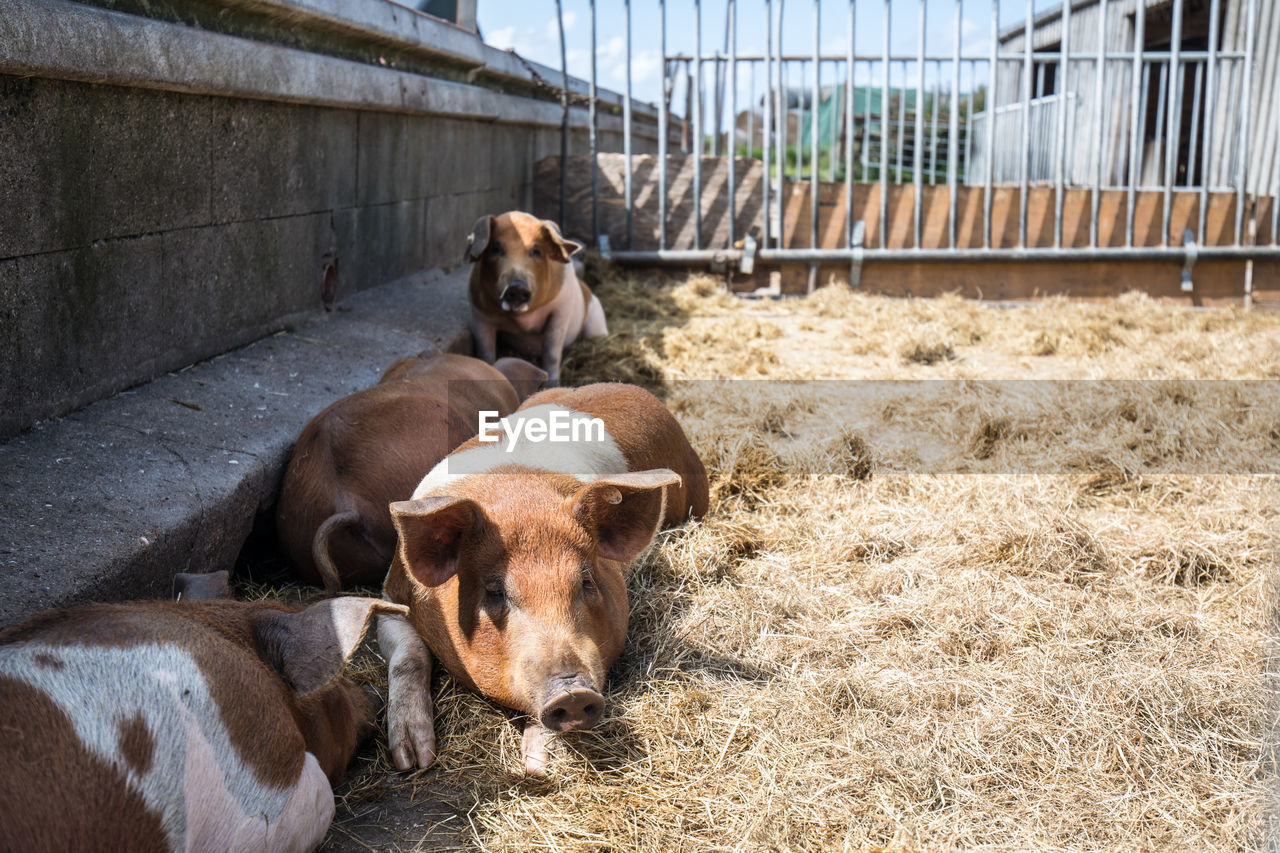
[[596, 454]]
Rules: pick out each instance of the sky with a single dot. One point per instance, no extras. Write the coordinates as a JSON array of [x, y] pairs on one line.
[[529, 26]]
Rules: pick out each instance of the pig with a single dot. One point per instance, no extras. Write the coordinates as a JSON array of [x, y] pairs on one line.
[[511, 557], [371, 448], [525, 286], [192, 725]]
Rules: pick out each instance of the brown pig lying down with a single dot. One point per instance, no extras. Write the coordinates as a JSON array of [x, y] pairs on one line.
[[371, 448], [207, 725], [511, 560]]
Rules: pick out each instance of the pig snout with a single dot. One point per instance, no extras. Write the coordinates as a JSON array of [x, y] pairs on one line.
[[572, 703], [516, 295]]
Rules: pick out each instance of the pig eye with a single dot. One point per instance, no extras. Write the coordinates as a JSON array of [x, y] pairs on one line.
[[495, 594], [494, 250], [535, 252], [589, 588]]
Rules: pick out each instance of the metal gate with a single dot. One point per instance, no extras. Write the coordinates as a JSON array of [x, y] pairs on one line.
[[1083, 97]]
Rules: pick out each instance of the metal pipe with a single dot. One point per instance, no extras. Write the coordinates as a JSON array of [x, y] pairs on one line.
[[767, 124], [1136, 89], [1275, 193], [902, 122], [1175, 120], [662, 123], [697, 126], [815, 109], [912, 255], [917, 156], [884, 134], [1099, 85], [865, 155], [732, 24], [1246, 109], [626, 126], [1046, 59], [849, 131], [1194, 137], [1062, 87], [933, 125], [953, 129], [1028, 69], [593, 139], [782, 136], [564, 118], [1211, 95], [989, 107]]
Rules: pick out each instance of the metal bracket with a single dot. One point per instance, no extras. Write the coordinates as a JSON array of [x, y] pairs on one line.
[[855, 247], [602, 241], [1188, 243], [719, 263], [747, 264]]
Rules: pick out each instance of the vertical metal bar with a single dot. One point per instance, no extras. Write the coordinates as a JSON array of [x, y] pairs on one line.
[[1175, 120], [1099, 80], [698, 142], [953, 129], [1194, 137], [1246, 110], [917, 156], [989, 107], [626, 126], [832, 154], [733, 121], [849, 132], [564, 117], [814, 114], [1136, 90], [766, 128], [968, 120], [1161, 86], [1028, 70], [782, 135], [865, 155], [800, 127], [662, 123], [1210, 100], [902, 120], [884, 134], [1060, 96], [933, 124], [1275, 192], [594, 134]]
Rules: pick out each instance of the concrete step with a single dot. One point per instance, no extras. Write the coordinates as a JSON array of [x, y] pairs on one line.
[[109, 502]]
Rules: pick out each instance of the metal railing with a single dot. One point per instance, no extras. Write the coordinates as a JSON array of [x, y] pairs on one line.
[[1107, 114]]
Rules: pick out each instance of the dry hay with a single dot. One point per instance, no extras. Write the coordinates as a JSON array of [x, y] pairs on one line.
[[924, 620]]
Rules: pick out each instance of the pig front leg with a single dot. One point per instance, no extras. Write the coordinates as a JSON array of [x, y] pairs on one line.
[[553, 337], [484, 334], [411, 728], [533, 747]]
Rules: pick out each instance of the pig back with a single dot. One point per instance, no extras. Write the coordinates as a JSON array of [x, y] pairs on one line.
[[648, 435]]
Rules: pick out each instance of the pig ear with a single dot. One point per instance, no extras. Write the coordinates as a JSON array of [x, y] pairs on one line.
[[557, 247], [625, 510], [478, 239], [432, 532], [200, 586], [526, 378], [309, 648]]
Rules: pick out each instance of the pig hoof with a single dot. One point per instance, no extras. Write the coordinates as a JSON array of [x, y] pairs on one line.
[[413, 744], [534, 749]]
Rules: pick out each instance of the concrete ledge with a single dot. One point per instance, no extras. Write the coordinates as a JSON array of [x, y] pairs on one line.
[[64, 40], [108, 503]]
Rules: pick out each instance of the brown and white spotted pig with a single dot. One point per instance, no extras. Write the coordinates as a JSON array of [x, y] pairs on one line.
[[511, 560], [371, 448], [210, 725]]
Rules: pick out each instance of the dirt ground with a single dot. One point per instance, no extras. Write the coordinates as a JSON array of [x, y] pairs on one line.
[[944, 597]]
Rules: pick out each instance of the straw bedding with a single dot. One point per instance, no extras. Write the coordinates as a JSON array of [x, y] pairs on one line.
[[922, 616]]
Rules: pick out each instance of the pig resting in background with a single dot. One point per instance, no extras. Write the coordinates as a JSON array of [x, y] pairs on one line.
[[372, 447], [511, 564], [206, 725]]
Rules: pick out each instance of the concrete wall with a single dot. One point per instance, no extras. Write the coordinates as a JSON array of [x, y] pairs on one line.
[[167, 194]]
